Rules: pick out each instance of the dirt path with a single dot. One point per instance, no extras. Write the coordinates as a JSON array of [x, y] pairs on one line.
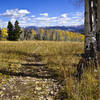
[[34, 81]]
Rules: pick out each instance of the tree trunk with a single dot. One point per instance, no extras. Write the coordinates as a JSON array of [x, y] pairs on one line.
[[98, 25], [87, 23], [87, 17]]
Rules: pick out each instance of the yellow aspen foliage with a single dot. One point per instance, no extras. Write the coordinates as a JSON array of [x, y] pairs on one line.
[[22, 29], [82, 37], [47, 32], [3, 34], [33, 32], [41, 31], [74, 36], [68, 35], [62, 35]]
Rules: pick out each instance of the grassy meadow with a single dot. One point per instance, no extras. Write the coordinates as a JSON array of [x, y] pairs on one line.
[[61, 57]]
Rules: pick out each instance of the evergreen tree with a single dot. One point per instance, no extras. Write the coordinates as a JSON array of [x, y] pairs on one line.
[[17, 31], [10, 29]]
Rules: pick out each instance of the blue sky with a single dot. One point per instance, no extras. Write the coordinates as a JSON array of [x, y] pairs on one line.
[[41, 12]]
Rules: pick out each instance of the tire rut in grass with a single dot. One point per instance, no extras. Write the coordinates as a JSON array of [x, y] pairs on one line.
[[34, 81]]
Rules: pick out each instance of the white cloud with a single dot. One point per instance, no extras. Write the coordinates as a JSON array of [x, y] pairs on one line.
[[24, 11], [77, 18], [64, 15], [13, 20], [26, 23], [65, 19], [15, 13], [42, 19], [32, 16], [45, 18], [53, 18], [3, 24], [25, 18], [78, 15], [44, 14], [45, 21]]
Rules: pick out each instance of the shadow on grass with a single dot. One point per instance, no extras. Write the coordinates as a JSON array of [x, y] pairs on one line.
[[30, 65], [15, 52], [23, 74], [75, 65], [37, 57], [32, 70]]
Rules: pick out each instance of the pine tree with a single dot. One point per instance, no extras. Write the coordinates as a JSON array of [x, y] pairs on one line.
[[17, 31], [10, 29]]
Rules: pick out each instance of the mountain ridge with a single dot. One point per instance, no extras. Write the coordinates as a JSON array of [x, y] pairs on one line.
[[79, 28]]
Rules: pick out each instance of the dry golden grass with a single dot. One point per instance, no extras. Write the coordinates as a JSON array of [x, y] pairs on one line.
[[62, 58]]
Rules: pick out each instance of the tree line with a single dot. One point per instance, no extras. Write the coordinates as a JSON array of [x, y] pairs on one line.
[[50, 34], [15, 33]]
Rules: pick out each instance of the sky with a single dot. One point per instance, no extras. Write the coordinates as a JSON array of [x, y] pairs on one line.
[[41, 12]]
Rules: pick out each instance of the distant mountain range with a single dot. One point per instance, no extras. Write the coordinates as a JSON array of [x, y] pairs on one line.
[[79, 28]]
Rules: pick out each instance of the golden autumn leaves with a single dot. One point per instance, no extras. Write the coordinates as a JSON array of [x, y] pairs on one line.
[[49, 34]]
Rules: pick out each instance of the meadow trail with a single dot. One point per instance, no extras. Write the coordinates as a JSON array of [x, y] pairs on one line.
[[33, 81]]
